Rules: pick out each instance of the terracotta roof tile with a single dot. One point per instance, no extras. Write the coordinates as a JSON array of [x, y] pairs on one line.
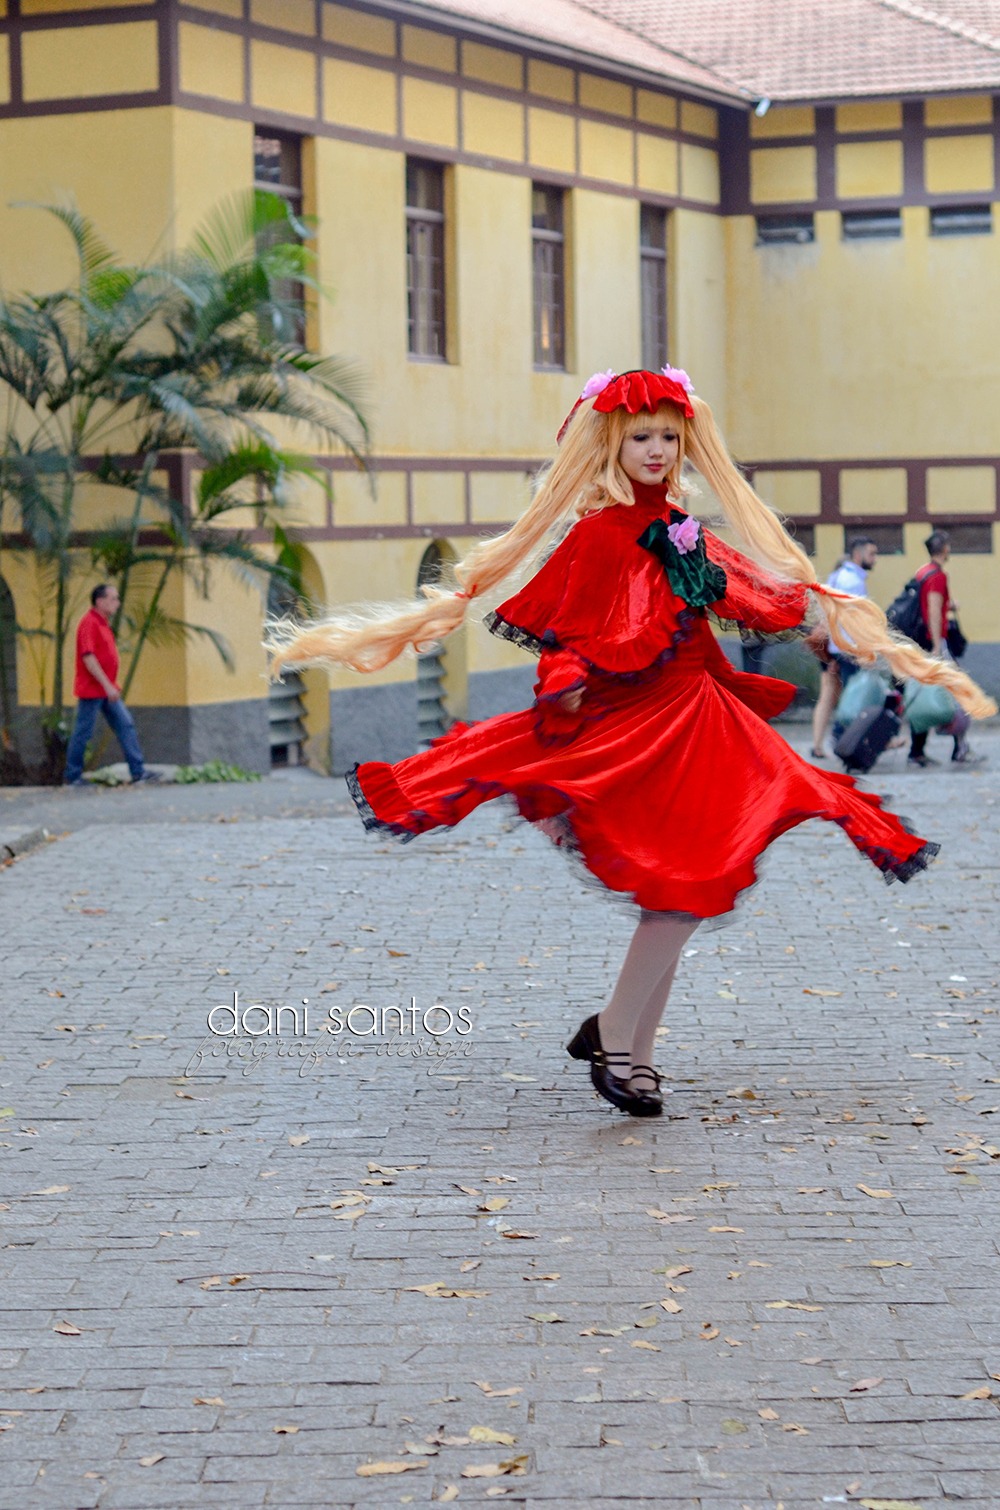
[[789, 50], [781, 49]]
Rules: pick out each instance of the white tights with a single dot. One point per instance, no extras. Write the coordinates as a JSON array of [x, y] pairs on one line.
[[629, 1022]]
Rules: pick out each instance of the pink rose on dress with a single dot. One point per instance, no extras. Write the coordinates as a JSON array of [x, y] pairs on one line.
[[597, 384], [684, 535], [678, 375]]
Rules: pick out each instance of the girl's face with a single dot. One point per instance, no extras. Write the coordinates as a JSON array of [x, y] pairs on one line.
[[648, 454]]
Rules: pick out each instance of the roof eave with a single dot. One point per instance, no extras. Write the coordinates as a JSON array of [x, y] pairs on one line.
[[722, 94]]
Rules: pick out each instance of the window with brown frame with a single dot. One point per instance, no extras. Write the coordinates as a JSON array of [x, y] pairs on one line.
[[548, 275], [425, 272], [653, 285], [277, 161]]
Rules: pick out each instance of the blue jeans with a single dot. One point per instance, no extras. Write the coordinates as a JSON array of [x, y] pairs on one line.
[[119, 721]]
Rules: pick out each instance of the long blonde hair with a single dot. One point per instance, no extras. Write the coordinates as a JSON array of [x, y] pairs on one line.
[[585, 475]]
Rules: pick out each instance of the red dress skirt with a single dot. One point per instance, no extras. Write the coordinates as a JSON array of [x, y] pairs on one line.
[[668, 783]]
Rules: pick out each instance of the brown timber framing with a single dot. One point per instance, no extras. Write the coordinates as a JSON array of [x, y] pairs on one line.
[[181, 469], [913, 133], [170, 13]]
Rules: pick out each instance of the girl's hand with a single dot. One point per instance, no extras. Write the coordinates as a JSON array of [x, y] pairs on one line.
[[570, 702]]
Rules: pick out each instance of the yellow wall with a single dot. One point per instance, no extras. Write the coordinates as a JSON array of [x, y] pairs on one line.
[[857, 349]]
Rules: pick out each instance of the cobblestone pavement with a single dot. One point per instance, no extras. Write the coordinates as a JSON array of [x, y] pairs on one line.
[[252, 1280]]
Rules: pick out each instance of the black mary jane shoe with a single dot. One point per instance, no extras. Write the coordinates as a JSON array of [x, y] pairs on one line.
[[586, 1044], [651, 1100]]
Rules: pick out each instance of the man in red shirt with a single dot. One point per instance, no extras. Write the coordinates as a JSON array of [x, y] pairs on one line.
[[935, 605], [97, 691]]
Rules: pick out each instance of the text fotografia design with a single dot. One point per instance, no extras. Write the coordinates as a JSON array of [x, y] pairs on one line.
[[267, 1019]]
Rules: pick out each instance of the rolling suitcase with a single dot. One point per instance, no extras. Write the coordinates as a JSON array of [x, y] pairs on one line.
[[863, 741]]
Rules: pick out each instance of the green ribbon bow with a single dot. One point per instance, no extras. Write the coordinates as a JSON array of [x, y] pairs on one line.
[[692, 576]]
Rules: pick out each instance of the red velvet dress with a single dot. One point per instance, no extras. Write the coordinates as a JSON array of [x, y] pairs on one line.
[[668, 782]]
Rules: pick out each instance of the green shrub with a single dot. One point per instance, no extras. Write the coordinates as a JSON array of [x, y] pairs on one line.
[[214, 770]]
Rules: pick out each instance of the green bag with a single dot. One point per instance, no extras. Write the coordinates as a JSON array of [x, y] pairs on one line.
[[865, 689], [927, 707]]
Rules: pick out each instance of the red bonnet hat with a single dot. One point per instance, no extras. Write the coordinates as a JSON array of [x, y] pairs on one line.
[[634, 391]]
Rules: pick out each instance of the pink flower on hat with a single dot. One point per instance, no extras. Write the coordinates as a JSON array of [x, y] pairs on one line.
[[678, 375], [597, 384], [684, 535]]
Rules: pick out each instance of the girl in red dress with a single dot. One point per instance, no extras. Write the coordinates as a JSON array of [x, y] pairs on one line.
[[644, 750]]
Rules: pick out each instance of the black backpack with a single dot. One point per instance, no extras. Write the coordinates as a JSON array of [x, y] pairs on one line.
[[905, 616]]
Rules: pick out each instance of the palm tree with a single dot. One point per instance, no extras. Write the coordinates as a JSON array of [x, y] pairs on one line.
[[103, 380]]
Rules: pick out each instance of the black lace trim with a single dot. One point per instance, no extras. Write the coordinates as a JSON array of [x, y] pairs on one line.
[[751, 636], [505, 630], [559, 829]]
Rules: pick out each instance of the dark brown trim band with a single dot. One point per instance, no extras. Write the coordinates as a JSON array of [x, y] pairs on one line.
[[916, 469]]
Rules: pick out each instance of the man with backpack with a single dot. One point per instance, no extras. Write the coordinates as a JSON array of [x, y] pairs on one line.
[[922, 611]]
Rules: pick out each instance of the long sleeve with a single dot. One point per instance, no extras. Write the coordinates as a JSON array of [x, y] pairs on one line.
[[754, 597], [559, 672]]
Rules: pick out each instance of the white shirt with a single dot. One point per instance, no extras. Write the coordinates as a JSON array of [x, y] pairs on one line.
[[849, 577]]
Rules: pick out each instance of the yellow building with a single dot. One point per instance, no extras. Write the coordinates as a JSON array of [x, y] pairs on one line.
[[504, 208]]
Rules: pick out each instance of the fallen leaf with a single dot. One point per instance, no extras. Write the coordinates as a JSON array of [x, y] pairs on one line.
[[487, 1434], [649, 1346], [982, 1393], [667, 1217], [154, 1457], [286, 1431], [709, 1333], [676, 1271], [398, 953], [50, 1190], [863, 1384], [543, 1316], [812, 1190], [449, 1493], [369, 1470], [493, 1470], [890, 1505], [890, 1263], [468, 1189], [496, 1394], [539, 1277], [671, 1306], [208, 1400], [495, 1203], [67, 1329], [767, 1414], [630, 1141], [727, 1229], [298, 1139], [790, 1305], [732, 1427], [511, 1232], [437, 1290], [803, 1431], [238, 1279], [879, 1195], [818, 991]]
